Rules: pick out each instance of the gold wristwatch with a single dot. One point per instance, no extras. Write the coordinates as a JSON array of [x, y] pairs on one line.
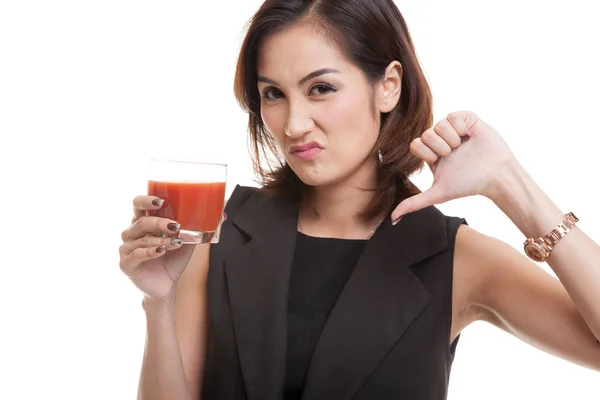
[[539, 249]]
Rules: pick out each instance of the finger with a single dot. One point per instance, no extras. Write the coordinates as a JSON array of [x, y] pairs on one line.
[[462, 121], [149, 225], [417, 202], [446, 131], [420, 149], [148, 242], [432, 140], [130, 263], [142, 203]]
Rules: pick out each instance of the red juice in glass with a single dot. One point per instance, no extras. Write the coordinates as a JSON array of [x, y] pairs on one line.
[[193, 194]]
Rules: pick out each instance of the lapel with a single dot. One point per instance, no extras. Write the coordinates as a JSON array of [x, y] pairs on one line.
[[258, 278], [379, 302]]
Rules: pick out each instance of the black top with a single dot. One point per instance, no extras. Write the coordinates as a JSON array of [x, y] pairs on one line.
[[387, 328], [320, 269]]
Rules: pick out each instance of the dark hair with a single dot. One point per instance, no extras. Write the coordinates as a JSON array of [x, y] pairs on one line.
[[371, 34]]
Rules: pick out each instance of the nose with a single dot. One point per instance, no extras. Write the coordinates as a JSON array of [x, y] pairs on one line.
[[299, 122]]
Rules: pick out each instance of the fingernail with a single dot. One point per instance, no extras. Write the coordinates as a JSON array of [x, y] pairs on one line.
[[157, 202], [397, 220], [175, 242], [161, 249], [174, 227], [224, 216]]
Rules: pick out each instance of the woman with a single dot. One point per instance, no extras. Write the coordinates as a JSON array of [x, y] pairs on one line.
[[338, 279]]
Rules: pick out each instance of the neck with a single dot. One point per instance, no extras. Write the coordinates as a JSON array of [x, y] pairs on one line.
[[334, 209]]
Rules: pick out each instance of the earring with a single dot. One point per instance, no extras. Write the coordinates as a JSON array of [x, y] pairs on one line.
[[380, 156]]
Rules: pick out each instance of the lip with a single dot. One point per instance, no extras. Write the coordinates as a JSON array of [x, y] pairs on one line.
[[305, 147]]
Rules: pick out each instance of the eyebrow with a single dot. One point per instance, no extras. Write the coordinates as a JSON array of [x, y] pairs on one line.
[[308, 77]]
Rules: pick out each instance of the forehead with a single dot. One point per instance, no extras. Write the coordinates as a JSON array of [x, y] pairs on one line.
[[298, 50]]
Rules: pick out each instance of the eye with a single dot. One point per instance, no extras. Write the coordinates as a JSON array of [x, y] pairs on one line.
[[321, 89], [272, 93]]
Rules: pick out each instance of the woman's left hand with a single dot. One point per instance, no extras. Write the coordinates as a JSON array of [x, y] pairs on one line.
[[465, 155]]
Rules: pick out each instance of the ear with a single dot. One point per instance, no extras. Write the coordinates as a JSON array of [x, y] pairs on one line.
[[390, 87]]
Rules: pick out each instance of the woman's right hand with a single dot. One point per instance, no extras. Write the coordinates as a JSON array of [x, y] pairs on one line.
[[153, 263]]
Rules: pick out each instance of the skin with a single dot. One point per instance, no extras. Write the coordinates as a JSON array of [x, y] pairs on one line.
[[559, 316]]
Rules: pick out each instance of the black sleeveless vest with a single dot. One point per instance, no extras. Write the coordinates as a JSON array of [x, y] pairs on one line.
[[387, 337]]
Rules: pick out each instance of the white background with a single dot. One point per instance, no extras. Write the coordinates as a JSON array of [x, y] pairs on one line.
[[89, 90]]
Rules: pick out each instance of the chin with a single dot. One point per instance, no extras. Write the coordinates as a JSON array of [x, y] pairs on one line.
[[317, 178], [321, 175]]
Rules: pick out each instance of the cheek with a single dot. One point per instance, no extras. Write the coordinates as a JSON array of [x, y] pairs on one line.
[[349, 120], [274, 122]]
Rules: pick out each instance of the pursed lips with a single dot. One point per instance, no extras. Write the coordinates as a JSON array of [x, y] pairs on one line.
[[305, 147]]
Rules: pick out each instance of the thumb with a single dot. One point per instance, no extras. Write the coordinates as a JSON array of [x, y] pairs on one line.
[[416, 203]]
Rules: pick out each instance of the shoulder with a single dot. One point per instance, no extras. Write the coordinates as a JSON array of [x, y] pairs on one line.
[[249, 199], [431, 218], [469, 250], [241, 193], [430, 222], [481, 264], [479, 255], [239, 197], [425, 233]]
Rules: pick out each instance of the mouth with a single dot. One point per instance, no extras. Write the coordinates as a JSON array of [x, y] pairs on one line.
[[306, 151]]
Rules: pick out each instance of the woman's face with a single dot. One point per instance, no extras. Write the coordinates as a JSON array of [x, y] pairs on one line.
[[317, 105]]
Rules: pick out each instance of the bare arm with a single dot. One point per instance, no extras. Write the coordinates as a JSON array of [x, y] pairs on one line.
[[503, 287], [177, 332], [575, 259]]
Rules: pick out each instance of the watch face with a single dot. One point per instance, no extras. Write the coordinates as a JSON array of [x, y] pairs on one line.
[[535, 252]]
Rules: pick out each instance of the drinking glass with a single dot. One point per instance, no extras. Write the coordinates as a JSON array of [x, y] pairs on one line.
[[193, 194]]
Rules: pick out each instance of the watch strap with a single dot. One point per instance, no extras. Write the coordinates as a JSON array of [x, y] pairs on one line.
[[561, 230]]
